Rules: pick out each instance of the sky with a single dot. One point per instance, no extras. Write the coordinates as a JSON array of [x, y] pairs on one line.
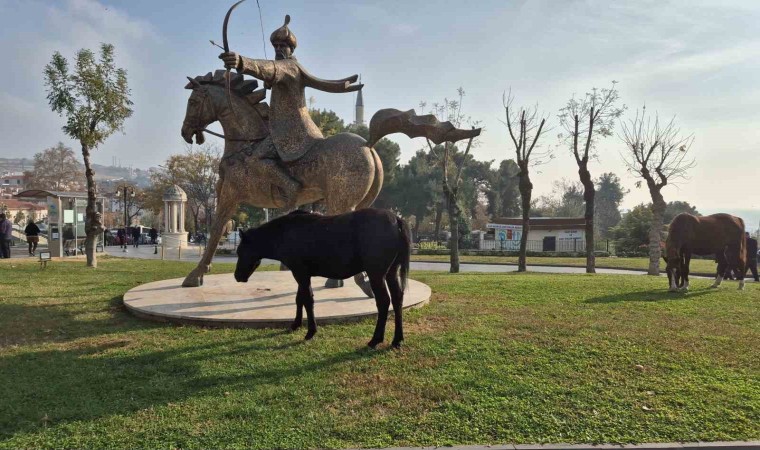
[[693, 59]]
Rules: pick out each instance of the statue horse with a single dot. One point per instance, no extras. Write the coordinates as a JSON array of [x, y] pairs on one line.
[[341, 171], [718, 234]]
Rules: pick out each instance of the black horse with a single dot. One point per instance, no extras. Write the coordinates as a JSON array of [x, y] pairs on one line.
[[374, 241]]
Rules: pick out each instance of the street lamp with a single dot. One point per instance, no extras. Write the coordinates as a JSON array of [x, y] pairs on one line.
[[128, 192]]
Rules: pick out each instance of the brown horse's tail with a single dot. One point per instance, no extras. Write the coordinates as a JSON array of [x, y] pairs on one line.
[[743, 247], [377, 182], [405, 251]]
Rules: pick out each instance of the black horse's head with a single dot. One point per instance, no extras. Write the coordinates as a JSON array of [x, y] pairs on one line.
[[249, 256]]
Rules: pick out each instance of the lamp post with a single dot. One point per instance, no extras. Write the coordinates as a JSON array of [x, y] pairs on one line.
[[128, 192]]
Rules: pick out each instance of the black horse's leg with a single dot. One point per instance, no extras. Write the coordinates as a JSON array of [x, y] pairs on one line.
[[383, 303], [686, 269], [299, 311], [307, 299], [397, 300]]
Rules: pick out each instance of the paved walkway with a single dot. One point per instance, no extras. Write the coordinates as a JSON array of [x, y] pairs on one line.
[[192, 254]]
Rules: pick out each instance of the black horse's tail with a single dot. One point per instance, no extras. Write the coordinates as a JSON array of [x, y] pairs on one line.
[[405, 251]]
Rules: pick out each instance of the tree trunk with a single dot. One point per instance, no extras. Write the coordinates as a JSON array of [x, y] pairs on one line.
[[417, 228], [93, 223], [454, 213], [438, 217], [526, 189], [655, 231], [588, 196]]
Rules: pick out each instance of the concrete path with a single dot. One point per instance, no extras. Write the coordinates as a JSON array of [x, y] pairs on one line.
[[192, 254]]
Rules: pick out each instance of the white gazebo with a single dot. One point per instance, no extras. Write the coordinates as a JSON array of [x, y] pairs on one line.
[[174, 217]]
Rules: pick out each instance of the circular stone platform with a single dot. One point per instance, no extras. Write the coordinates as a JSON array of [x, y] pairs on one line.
[[267, 300]]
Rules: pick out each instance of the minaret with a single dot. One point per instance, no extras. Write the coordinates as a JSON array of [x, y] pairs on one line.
[[359, 120]]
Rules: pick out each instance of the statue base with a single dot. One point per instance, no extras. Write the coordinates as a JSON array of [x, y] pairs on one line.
[[174, 240], [268, 300]]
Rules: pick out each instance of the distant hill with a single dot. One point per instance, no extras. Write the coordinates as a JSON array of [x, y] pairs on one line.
[[15, 164], [140, 177]]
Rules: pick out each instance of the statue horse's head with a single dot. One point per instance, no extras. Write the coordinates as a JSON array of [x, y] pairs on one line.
[[210, 102]]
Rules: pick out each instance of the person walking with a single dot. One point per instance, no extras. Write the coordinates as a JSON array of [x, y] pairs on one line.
[[6, 234], [752, 256], [153, 236], [136, 236], [32, 232]]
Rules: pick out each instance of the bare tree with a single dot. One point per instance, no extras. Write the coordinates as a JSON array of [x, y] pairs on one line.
[[197, 172], [658, 154], [57, 168], [584, 121], [451, 110], [134, 204], [525, 125]]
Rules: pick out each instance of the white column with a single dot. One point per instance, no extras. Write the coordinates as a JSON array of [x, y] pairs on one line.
[[166, 217], [182, 216], [174, 217], [169, 217]]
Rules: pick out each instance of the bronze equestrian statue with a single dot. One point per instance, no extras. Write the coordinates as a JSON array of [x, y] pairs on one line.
[[275, 156]]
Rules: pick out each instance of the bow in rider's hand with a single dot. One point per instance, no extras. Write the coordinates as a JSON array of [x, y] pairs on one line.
[[231, 60]]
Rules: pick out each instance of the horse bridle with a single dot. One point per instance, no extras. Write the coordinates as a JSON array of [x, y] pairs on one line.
[[194, 122]]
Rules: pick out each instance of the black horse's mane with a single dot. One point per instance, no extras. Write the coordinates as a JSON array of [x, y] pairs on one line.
[[274, 224]]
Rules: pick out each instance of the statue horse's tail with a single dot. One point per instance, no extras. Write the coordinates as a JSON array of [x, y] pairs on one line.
[[389, 121], [377, 182]]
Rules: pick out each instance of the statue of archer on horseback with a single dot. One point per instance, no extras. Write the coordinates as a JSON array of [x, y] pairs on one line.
[[275, 156]]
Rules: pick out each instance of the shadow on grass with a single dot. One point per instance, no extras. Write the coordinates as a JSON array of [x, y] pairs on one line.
[[658, 295], [54, 387], [37, 323]]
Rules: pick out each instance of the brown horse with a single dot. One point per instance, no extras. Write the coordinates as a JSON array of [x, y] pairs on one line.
[[718, 234]]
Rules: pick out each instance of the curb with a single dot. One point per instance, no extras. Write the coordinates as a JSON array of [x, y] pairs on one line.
[[722, 445]]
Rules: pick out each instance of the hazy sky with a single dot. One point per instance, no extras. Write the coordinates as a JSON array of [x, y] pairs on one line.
[[699, 60]]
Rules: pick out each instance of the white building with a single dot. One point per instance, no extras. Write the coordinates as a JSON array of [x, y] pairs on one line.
[[547, 234]]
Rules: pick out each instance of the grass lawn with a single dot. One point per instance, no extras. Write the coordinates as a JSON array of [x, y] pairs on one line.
[[494, 358], [704, 266]]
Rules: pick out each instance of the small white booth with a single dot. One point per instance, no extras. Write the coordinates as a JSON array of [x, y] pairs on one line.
[[66, 212]]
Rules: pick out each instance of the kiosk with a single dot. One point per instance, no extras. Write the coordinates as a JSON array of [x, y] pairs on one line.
[[66, 219]]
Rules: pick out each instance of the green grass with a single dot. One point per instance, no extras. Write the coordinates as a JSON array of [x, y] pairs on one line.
[[703, 266], [494, 358]]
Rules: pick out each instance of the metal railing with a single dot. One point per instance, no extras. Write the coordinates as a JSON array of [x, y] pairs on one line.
[[536, 246]]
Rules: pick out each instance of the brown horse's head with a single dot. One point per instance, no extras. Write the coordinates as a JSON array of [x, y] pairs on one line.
[[673, 261], [211, 101], [672, 269]]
